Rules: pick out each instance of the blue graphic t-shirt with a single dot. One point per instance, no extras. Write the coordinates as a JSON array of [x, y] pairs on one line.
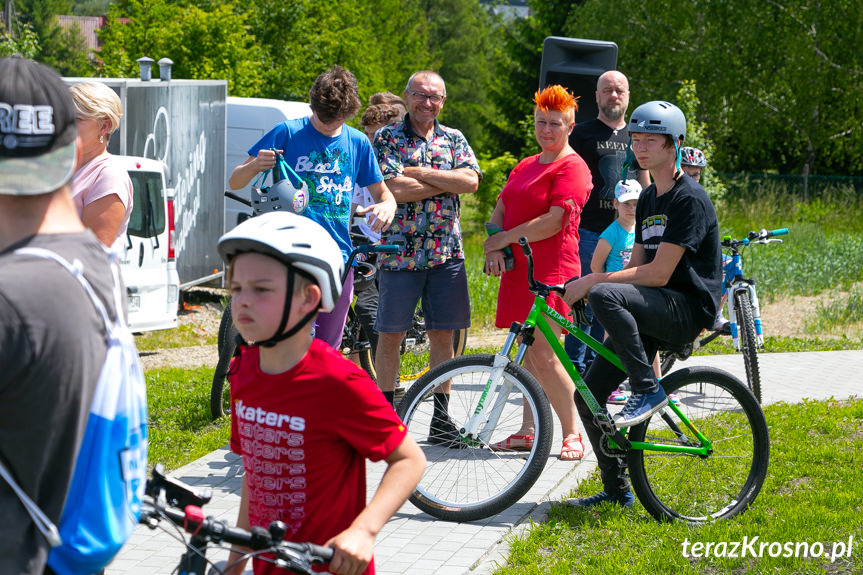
[[330, 167]]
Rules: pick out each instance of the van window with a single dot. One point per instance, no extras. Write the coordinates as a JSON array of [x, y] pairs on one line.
[[148, 211]]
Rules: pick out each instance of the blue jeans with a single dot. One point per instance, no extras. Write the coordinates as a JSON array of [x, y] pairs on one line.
[[581, 355]]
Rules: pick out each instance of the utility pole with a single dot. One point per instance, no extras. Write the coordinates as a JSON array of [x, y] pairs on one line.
[[7, 17]]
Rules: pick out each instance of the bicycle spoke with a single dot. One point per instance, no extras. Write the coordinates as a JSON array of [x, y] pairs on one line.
[[472, 480]]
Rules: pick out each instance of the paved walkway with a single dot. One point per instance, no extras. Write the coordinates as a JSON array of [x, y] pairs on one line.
[[413, 542]]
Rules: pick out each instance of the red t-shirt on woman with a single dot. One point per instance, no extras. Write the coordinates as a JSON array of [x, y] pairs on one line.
[[531, 190]]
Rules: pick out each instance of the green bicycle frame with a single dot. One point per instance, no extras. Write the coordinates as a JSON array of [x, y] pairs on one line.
[[539, 311]]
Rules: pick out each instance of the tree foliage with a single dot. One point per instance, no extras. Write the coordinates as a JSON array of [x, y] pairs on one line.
[[778, 89], [63, 50], [24, 43], [208, 42]]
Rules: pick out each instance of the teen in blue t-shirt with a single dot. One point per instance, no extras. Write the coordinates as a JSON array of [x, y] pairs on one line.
[[330, 157]]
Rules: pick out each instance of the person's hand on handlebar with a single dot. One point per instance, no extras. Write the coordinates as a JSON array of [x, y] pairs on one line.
[[354, 548], [577, 289]]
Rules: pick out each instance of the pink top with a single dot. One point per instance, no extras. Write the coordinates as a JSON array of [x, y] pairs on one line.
[[101, 177]]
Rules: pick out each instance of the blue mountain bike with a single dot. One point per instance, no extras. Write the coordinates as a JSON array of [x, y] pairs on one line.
[[744, 311]]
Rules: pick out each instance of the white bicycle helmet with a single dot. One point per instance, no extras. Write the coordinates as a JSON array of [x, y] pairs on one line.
[[294, 240]]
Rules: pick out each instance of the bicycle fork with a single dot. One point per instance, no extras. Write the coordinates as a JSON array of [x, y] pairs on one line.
[[495, 394]]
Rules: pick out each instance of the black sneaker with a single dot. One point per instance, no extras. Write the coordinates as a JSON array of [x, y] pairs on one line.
[[444, 432], [622, 498]]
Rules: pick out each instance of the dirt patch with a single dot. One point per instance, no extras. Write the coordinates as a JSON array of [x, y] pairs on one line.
[[202, 311], [784, 317]]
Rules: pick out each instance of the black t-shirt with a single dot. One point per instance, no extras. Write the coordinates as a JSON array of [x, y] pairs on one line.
[[604, 150], [52, 347], [684, 216]]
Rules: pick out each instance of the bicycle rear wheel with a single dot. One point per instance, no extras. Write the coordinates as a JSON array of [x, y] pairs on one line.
[[459, 344], [748, 343], [666, 361], [355, 340], [673, 486], [465, 480], [220, 394]]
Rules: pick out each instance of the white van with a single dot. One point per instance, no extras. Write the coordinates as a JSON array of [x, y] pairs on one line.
[[148, 265], [248, 119]]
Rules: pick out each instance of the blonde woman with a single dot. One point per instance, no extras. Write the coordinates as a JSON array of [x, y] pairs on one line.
[[101, 188]]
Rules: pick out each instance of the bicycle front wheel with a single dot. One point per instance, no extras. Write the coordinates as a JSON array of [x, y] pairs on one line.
[[697, 489], [466, 480], [220, 393], [748, 343]]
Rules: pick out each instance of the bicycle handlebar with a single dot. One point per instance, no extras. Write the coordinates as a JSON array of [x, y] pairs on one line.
[[754, 237], [235, 197], [175, 493], [537, 287], [365, 249]]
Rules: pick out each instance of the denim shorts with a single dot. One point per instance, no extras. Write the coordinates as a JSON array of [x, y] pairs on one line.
[[442, 289]]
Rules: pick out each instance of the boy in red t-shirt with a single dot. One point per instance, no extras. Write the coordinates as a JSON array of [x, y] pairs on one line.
[[304, 418]]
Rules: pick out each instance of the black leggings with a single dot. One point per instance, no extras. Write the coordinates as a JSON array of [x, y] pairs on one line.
[[637, 320]]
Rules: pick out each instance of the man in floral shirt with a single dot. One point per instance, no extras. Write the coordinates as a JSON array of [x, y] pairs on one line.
[[426, 166]]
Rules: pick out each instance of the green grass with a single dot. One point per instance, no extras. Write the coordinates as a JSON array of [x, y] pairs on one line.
[[774, 344], [180, 426], [812, 494], [184, 335], [843, 311]]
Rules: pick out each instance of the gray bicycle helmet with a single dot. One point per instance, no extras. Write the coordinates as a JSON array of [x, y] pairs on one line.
[[281, 196], [658, 117], [692, 157]]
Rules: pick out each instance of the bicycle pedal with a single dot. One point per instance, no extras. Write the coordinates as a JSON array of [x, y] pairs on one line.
[[603, 420]]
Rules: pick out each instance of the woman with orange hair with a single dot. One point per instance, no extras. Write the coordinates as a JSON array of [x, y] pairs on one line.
[[542, 200]]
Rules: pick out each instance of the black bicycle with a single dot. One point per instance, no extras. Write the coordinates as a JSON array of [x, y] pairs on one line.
[[166, 497]]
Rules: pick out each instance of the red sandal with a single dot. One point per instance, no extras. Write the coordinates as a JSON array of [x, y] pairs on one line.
[[573, 445], [525, 443]]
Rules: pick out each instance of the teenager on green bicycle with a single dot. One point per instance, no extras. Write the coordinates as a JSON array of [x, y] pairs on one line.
[[667, 293]]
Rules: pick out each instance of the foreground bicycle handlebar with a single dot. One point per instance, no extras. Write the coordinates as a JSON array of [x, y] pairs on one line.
[[166, 494]]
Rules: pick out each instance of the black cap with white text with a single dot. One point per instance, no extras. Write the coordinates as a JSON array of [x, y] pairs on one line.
[[37, 129]]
